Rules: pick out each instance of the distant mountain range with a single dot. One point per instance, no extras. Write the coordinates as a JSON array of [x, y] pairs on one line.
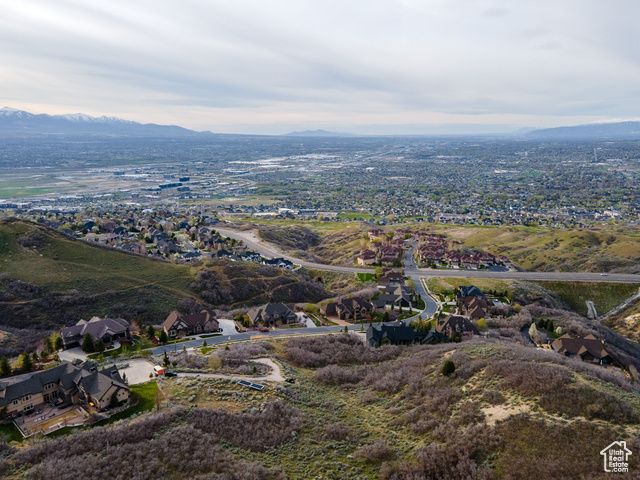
[[18, 123], [594, 130], [316, 133]]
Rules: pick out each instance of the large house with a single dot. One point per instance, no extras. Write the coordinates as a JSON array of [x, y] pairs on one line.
[[393, 297], [271, 314], [400, 334], [106, 329], [178, 325], [456, 324], [355, 308], [589, 349], [68, 383]]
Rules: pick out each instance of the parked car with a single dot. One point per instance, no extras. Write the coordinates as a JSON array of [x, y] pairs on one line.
[[170, 374], [290, 380], [264, 329]]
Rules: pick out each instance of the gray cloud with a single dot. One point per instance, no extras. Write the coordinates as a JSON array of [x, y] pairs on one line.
[[263, 66]]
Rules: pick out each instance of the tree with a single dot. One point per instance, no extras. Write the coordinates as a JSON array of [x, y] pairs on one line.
[[482, 325], [113, 403], [163, 337], [533, 333], [204, 343], [385, 317], [5, 366], [25, 362], [58, 344], [346, 329], [165, 360], [100, 347], [559, 330], [34, 357], [448, 368], [48, 344], [151, 332], [87, 343]]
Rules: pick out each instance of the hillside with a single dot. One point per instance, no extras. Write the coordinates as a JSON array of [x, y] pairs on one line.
[[596, 249], [358, 413], [49, 280], [589, 131]]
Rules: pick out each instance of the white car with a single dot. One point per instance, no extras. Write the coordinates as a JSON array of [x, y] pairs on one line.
[[604, 274]]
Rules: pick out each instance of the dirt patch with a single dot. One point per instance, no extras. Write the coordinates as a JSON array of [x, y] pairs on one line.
[[500, 412]]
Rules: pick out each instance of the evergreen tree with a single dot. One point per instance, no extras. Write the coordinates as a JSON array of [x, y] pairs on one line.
[[34, 357], [448, 368], [87, 343], [58, 344], [151, 332], [163, 337], [165, 360], [25, 362], [48, 344], [5, 366], [100, 346]]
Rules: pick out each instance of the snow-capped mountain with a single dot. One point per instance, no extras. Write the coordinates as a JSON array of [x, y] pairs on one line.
[[18, 122]]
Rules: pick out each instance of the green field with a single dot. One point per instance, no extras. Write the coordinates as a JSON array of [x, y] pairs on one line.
[[605, 296]]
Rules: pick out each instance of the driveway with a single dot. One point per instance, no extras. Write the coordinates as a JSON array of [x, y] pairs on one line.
[[274, 376], [137, 371], [71, 354], [307, 321], [228, 327]]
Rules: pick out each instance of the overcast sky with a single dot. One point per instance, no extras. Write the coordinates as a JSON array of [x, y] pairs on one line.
[[367, 66]]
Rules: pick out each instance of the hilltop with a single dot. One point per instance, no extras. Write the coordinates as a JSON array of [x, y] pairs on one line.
[[50, 280]]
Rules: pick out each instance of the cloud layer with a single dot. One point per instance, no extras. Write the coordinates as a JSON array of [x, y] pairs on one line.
[[270, 67]]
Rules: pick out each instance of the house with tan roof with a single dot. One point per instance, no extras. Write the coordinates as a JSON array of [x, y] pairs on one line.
[[178, 325]]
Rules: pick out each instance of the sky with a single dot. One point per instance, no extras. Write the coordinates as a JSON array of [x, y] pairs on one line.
[[369, 67]]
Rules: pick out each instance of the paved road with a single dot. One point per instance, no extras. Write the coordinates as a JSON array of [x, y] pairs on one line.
[[177, 347], [412, 271]]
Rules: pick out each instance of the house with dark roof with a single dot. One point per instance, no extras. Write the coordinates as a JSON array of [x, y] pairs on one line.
[[456, 324], [393, 297], [470, 291], [280, 262], [400, 334], [178, 325], [272, 314], [355, 308], [589, 349], [107, 329], [69, 383]]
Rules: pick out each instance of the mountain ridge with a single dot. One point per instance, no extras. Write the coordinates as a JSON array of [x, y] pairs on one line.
[[19, 122]]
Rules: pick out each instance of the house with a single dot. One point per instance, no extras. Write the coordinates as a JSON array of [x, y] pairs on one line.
[[355, 308], [366, 257], [69, 383], [392, 297], [456, 324], [272, 314], [400, 334], [107, 329], [589, 349], [280, 262], [470, 291], [178, 325]]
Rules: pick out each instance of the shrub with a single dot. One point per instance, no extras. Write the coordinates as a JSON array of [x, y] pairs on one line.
[[336, 431], [448, 368], [376, 451]]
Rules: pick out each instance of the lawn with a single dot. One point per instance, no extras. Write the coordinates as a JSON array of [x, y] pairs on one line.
[[146, 394], [448, 286], [10, 432], [366, 277], [605, 296]]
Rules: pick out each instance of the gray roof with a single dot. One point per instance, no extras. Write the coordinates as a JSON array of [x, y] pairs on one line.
[[97, 327], [69, 375]]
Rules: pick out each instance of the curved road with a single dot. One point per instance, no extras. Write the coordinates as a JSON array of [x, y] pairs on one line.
[[267, 250]]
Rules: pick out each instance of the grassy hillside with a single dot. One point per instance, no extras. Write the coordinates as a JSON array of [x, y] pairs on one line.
[[87, 280], [627, 321], [54, 281], [601, 248], [358, 413], [597, 249]]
